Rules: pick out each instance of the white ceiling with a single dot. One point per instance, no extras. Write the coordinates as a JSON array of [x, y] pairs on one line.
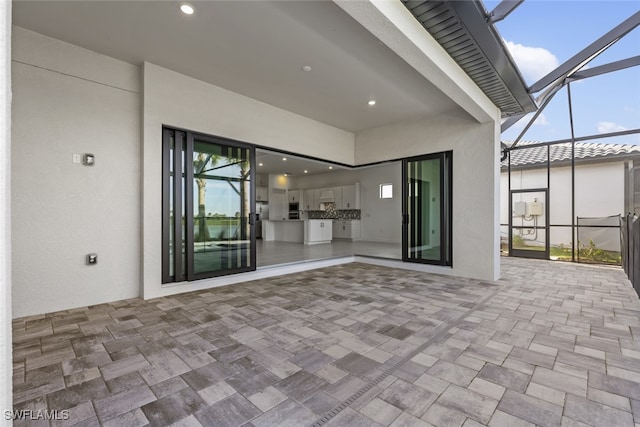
[[269, 162], [256, 48]]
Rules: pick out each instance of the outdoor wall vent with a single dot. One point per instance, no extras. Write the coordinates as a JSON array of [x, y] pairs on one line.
[[92, 259], [88, 159]]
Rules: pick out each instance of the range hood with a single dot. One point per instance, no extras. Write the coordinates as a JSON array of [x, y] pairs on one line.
[[327, 196]]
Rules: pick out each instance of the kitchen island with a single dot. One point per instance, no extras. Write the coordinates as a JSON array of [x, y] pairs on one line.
[[283, 230], [317, 231]]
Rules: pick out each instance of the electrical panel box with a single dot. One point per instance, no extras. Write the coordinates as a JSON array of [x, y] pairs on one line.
[[519, 209], [535, 209]]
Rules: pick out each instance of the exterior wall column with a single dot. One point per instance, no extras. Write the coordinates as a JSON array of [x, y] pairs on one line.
[[6, 365]]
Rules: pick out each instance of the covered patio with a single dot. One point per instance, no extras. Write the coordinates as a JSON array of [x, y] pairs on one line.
[[548, 344]]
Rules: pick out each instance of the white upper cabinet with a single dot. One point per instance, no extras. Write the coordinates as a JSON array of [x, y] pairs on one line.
[[294, 196], [350, 197], [337, 196], [308, 199], [262, 194], [345, 197]]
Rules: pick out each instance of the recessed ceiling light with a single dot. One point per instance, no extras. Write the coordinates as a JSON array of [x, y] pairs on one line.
[[306, 68], [330, 167], [187, 9], [286, 174], [284, 159], [306, 171], [372, 102], [260, 164]]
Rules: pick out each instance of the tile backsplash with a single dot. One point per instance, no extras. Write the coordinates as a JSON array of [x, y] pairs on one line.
[[331, 212]]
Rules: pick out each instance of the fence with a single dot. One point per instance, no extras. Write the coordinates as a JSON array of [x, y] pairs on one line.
[[630, 244], [598, 240]]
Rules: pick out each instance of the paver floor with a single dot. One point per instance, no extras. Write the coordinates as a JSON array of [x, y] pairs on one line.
[[549, 344]]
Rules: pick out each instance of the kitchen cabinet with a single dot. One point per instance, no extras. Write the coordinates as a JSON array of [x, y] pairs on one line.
[[345, 197], [262, 194], [328, 195], [308, 198], [355, 229], [294, 196], [318, 231], [262, 180], [350, 197], [283, 230], [337, 196], [338, 229], [346, 229]]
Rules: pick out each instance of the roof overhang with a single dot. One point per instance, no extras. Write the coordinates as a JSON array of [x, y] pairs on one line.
[[394, 25], [259, 49], [463, 29]]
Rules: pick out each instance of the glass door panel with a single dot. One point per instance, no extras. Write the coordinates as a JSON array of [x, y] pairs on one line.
[[426, 206], [221, 186], [208, 214], [174, 223], [424, 242]]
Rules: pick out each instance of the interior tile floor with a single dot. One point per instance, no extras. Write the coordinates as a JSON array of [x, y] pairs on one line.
[[549, 344], [270, 253]]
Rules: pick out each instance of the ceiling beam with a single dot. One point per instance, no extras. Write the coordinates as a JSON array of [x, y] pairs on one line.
[[502, 10], [588, 53], [510, 121], [566, 72], [606, 68], [542, 100]]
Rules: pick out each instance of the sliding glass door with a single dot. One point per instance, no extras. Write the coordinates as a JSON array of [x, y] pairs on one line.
[[208, 223], [427, 209]]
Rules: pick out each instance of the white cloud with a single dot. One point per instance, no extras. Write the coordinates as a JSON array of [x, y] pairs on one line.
[[608, 127], [541, 120], [533, 62]]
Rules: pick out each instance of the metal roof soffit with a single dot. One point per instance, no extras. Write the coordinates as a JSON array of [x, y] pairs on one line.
[[464, 30]]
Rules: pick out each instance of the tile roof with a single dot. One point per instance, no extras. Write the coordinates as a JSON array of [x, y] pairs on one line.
[[562, 152]]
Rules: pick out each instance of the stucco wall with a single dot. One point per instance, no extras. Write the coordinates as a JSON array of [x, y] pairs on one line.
[[475, 181], [599, 193], [72, 101], [176, 100], [68, 100], [599, 190]]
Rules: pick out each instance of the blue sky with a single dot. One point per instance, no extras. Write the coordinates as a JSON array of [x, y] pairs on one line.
[[543, 34]]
